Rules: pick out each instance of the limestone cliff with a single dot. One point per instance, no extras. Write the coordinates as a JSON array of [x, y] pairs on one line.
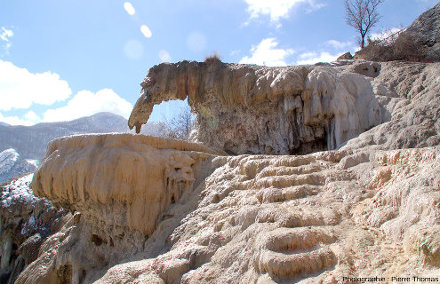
[[255, 109], [411, 93], [301, 109]]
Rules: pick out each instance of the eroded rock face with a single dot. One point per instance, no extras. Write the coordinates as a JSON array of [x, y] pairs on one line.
[[312, 218], [254, 219], [123, 185], [255, 109], [26, 221], [410, 92]]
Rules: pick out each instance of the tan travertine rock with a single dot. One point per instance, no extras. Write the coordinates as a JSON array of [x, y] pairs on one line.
[[147, 175], [123, 185], [284, 219], [268, 219], [255, 109], [162, 211], [410, 92], [301, 109]]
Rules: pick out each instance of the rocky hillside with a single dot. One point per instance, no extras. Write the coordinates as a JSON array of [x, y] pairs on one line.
[[426, 32], [13, 165], [419, 42], [26, 222]]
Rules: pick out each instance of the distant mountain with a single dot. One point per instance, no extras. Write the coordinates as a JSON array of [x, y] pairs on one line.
[[12, 165], [3, 123], [31, 141]]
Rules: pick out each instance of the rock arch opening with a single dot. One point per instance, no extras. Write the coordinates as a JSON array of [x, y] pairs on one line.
[[249, 109]]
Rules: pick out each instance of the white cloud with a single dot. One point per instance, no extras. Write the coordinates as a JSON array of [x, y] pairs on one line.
[[339, 44], [5, 34], [164, 56], [313, 57], [235, 52], [266, 53], [145, 30], [128, 7], [86, 103], [20, 89], [196, 42], [15, 120], [277, 9], [133, 49], [32, 116]]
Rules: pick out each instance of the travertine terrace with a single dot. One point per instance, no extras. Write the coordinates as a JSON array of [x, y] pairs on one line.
[[152, 210], [310, 174], [265, 219], [320, 173]]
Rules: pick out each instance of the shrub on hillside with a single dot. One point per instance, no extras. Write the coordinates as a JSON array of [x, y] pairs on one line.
[[402, 47], [213, 59]]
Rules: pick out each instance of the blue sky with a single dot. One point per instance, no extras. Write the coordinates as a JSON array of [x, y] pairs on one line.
[[60, 60]]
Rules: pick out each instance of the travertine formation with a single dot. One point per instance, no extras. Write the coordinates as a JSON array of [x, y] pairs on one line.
[[147, 175], [255, 109], [410, 92], [154, 210], [123, 185], [266, 219], [333, 104]]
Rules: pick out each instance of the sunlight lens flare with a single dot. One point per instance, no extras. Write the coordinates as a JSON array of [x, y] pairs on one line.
[[133, 49], [164, 56], [145, 30], [128, 7]]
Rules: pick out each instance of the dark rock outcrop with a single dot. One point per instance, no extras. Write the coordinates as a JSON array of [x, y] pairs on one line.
[[26, 221]]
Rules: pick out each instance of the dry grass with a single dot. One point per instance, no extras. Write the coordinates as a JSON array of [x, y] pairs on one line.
[[214, 58], [403, 48]]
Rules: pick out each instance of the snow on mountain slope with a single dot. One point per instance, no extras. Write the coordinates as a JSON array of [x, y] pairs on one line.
[[12, 165]]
